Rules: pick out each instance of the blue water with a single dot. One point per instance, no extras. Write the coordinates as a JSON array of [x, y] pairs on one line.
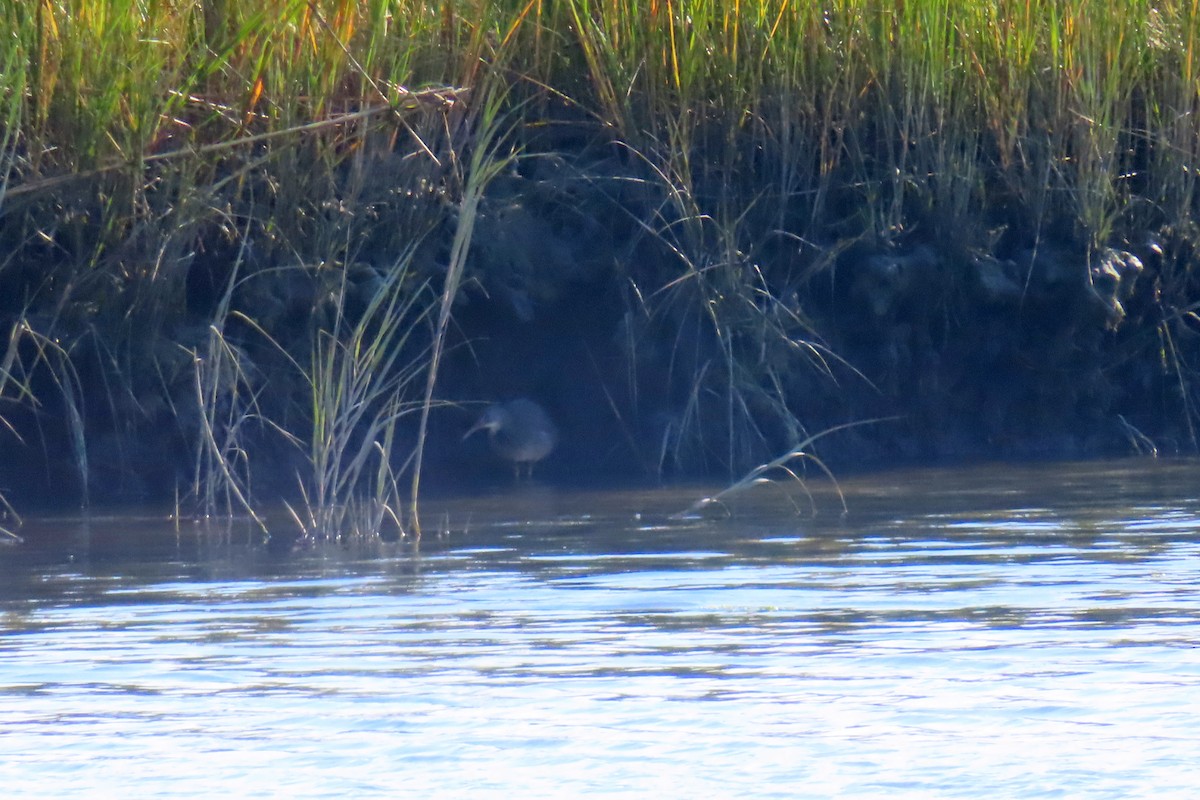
[[996, 631]]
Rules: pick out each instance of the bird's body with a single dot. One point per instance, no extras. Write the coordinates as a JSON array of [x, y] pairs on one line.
[[519, 431]]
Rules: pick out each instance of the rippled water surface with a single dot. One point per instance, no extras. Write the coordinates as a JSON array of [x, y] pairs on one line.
[[983, 632]]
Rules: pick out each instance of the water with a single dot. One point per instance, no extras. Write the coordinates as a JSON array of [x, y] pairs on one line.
[[986, 632]]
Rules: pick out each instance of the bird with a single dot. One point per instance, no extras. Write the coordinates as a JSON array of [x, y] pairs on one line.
[[519, 431]]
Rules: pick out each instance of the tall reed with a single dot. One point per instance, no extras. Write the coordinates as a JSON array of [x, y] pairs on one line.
[[487, 159], [362, 377]]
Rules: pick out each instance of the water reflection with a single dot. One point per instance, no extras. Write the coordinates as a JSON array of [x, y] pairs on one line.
[[988, 632]]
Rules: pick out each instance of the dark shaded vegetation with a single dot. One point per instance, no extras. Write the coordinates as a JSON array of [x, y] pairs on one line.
[[288, 253]]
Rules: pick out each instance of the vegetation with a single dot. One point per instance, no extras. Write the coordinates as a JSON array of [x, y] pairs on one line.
[[243, 245]]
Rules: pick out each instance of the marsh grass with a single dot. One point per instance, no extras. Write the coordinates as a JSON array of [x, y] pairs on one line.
[[32, 358], [893, 124], [143, 144], [783, 472], [362, 376], [487, 159], [227, 401], [13, 389]]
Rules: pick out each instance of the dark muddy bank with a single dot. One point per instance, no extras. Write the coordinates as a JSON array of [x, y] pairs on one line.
[[1003, 340], [1031, 348]]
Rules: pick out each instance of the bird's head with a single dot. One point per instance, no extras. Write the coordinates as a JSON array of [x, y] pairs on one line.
[[491, 420]]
